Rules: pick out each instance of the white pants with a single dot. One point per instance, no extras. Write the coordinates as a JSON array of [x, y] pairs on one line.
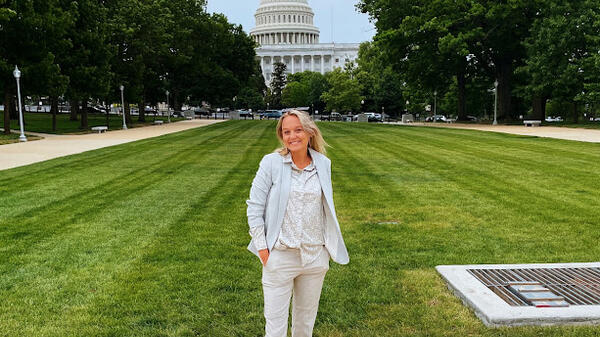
[[284, 274]]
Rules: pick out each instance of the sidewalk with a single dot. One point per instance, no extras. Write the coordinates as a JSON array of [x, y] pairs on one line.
[[55, 146], [581, 135]]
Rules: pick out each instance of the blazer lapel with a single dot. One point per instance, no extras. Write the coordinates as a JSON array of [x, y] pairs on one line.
[[285, 185], [324, 178]]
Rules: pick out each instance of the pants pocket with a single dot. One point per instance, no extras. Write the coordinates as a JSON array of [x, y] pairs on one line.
[[270, 261]]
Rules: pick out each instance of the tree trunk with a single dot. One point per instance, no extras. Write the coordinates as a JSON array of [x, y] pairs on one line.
[[176, 103], [142, 111], [84, 114], [575, 113], [13, 108], [54, 111], [107, 116], [7, 105], [127, 113], [74, 109], [461, 81], [504, 73], [539, 107]]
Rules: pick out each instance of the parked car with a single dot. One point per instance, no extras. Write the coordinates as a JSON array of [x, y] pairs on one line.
[[436, 118], [245, 114], [335, 116], [201, 111], [551, 119], [96, 110], [472, 119], [272, 114]]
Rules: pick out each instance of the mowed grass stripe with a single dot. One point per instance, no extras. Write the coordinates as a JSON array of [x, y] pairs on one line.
[[507, 175], [418, 304], [518, 187], [499, 208], [98, 250], [113, 163], [30, 226], [193, 259], [170, 259]]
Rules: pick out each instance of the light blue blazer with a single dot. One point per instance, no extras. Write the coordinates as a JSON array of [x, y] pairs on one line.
[[269, 196]]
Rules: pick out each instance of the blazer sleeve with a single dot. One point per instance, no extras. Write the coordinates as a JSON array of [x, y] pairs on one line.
[[261, 185]]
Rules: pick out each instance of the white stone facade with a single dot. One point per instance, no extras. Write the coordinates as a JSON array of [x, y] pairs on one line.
[[286, 33]]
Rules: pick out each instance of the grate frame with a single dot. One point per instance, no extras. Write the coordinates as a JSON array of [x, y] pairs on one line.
[[496, 312], [578, 286]]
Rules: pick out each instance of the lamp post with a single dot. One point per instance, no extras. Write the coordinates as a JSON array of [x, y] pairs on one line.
[[17, 74], [123, 105], [168, 110], [496, 102], [382, 114]]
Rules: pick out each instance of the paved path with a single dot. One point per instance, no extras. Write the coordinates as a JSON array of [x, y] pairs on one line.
[[582, 135], [54, 146]]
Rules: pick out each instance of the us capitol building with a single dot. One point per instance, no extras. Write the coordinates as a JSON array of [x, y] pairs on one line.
[[285, 33]]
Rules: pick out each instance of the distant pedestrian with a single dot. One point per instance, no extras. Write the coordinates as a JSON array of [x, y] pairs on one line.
[[293, 225]]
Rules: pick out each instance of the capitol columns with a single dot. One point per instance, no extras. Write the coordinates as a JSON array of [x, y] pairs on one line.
[[312, 62], [293, 64], [322, 64]]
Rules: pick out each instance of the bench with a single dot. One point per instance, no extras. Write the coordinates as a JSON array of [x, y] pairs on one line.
[[100, 129], [158, 122], [532, 123]]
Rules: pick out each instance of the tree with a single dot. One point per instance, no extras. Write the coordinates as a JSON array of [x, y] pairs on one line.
[[433, 43], [296, 94], [86, 61], [381, 86], [278, 82], [31, 33], [559, 55], [6, 14], [344, 93]]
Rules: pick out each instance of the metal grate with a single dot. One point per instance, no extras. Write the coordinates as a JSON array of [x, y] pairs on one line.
[[578, 286]]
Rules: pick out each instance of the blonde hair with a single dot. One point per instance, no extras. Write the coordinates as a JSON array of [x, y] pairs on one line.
[[315, 140]]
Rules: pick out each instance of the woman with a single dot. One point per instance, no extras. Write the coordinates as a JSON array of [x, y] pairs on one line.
[[293, 225]]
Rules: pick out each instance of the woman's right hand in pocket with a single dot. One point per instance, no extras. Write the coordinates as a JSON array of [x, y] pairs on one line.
[[264, 256]]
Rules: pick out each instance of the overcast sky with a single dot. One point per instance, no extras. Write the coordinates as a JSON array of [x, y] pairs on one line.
[[349, 26]]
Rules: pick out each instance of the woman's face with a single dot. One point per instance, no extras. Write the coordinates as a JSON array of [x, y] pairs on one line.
[[294, 136]]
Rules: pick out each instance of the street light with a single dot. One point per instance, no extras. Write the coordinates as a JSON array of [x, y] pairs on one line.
[[168, 112], [123, 106], [496, 102], [382, 114], [17, 74]]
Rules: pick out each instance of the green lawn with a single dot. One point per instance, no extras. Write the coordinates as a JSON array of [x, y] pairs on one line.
[[581, 125], [14, 138], [149, 238], [42, 122]]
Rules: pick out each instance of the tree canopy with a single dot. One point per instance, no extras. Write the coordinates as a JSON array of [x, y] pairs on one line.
[[536, 50], [83, 50]]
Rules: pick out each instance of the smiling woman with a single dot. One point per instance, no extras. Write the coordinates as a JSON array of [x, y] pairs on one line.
[[293, 225]]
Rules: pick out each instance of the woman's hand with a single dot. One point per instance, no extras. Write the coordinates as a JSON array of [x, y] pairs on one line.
[[264, 256]]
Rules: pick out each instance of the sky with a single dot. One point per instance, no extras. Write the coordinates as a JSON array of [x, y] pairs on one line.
[[349, 26]]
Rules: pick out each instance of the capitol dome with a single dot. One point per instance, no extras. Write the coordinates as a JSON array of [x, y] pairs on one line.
[[288, 22]]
